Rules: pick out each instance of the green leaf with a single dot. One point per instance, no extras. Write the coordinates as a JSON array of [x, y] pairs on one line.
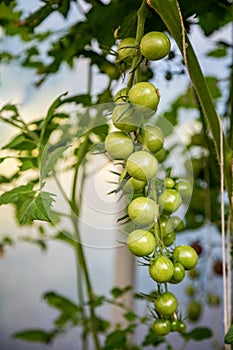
[[67, 237], [118, 292], [14, 195], [130, 316], [60, 302], [50, 159], [99, 148], [38, 208], [212, 83], [21, 142], [35, 336], [218, 52], [115, 340], [199, 334], [228, 339], [152, 339]]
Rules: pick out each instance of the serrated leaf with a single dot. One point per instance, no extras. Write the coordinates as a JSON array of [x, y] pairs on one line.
[[228, 339], [17, 193], [50, 159], [38, 208], [35, 336]]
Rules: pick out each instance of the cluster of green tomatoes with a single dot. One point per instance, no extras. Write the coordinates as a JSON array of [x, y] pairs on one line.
[[151, 203]]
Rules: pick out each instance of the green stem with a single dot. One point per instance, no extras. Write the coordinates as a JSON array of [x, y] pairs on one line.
[[169, 11], [142, 11]]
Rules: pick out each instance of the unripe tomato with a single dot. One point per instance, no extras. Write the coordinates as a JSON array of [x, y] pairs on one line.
[[161, 327], [185, 255], [127, 49], [121, 96], [152, 137], [144, 94], [170, 200], [118, 145], [184, 188], [155, 45], [133, 186], [213, 300], [161, 155], [169, 182], [175, 223], [169, 239], [126, 118], [181, 326], [143, 211], [141, 242], [142, 165], [194, 310], [179, 273], [166, 304], [161, 269], [190, 290]]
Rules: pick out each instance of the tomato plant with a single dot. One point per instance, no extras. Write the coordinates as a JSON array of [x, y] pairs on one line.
[[186, 256], [161, 327], [127, 49], [151, 137], [161, 269], [118, 145], [143, 211], [170, 200]]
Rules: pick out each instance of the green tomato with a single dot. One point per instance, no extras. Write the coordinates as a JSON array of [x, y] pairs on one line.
[[166, 304], [179, 273], [143, 211], [141, 242], [194, 310], [121, 96], [169, 182], [118, 145], [161, 327], [184, 188], [127, 50], [161, 269], [169, 239], [161, 155], [152, 137], [142, 165], [181, 326], [126, 118], [155, 45], [175, 223], [186, 256], [169, 200], [133, 186], [213, 300], [144, 94]]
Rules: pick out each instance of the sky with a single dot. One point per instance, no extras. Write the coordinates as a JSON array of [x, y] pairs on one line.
[[26, 272]]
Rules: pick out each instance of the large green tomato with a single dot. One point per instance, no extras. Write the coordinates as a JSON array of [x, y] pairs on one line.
[[118, 145], [169, 200], [186, 256], [141, 242], [126, 118], [143, 212], [166, 304], [152, 137], [161, 327], [142, 165], [161, 269], [184, 188], [144, 94], [133, 185], [127, 49], [155, 45]]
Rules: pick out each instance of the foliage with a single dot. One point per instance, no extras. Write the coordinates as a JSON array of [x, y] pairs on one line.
[[95, 36]]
